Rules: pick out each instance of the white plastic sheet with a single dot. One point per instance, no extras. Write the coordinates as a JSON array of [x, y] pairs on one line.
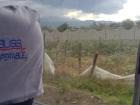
[[48, 65], [104, 74]]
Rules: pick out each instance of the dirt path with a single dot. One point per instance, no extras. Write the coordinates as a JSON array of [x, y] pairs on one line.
[[54, 96]]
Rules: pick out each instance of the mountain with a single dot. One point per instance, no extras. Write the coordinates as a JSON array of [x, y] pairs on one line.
[[72, 22]]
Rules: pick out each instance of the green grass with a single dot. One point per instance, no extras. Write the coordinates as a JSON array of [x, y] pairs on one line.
[[109, 91], [117, 56], [90, 47]]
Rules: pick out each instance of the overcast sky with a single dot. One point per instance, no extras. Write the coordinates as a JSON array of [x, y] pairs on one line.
[[109, 10]]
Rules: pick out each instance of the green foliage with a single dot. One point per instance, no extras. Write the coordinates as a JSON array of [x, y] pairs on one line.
[[99, 27], [110, 91], [127, 24], [90, 47], [63, 27], [138, 24], [114, 25], [48, 28]]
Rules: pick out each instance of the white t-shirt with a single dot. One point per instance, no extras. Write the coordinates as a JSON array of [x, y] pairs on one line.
[[21, 54]]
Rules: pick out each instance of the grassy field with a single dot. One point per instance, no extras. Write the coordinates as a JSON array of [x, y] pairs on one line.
[[92, 34], [106, 90], [117, 56]]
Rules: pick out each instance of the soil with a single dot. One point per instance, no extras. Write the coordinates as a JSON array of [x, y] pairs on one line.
[[55, 96]]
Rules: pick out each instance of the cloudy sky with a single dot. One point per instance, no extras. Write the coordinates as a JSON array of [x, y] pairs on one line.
[[108, 10]]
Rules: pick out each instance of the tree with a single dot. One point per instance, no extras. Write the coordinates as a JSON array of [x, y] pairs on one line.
[[127, 24], [99, 27], [114, 25], [47, 28], [63, 27], [138, 24], [93, 25]]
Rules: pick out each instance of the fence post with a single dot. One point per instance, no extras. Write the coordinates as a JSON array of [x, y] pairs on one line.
[[65, 51], [80, 55], [57, 52], [94, 64], [136, 96], [134, 33], [105, 33]]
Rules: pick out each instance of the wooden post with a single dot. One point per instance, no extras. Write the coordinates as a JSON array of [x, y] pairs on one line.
[[80, 55], [105, 33], [65, 51], [136, 96], [57, 52], [134, 32], [94, 64]]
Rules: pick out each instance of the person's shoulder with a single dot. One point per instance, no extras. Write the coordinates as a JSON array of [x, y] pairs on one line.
[[32, 12], [18, 14]]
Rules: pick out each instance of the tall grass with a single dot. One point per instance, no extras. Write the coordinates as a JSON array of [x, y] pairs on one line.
[[90, 47], [114, 54]]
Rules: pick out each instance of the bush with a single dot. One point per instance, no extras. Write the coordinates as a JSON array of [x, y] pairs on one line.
[[63, 27], [99, 27], [138, 24], [114, 25], [127, 24]]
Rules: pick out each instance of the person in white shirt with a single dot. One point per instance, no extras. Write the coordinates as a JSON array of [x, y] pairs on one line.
[[21, 55]]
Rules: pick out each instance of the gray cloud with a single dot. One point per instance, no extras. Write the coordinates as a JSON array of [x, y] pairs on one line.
[[12, 2], [96, 6], [47, 11]]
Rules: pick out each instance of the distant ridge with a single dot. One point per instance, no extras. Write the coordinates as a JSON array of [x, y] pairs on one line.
[[72, 22]]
